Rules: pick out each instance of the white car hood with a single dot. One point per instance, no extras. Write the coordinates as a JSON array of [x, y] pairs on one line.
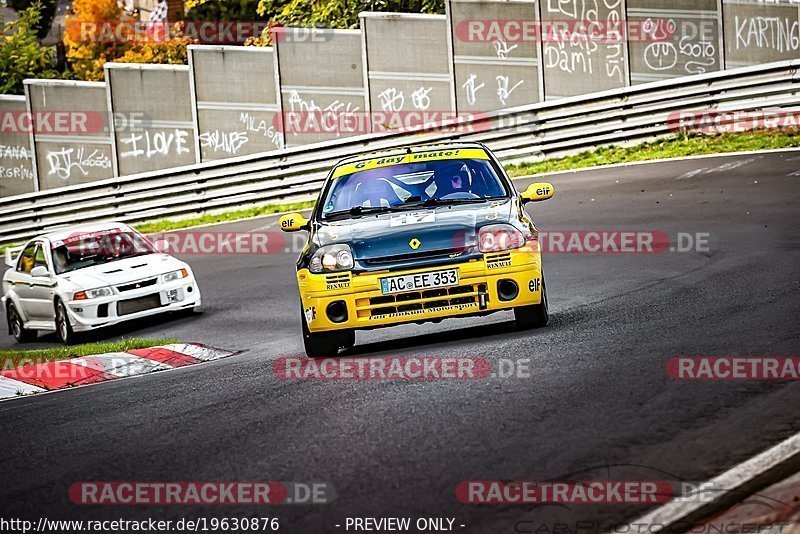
[[123, 271]]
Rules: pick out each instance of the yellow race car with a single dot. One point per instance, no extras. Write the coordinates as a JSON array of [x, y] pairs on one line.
[[413, 235]]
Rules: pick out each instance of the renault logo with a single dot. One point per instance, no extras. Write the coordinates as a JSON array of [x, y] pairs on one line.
[[414, 243]]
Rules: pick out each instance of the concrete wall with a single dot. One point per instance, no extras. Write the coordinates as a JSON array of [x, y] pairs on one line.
[[228, 101], [407, 66], [77, 148], [760, 31], [235, 90], [161, 93], [577, 67], [493, 74], [694, 45], [337, 86], [16, 157]]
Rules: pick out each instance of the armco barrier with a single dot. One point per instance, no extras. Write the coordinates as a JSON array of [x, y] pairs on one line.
[[621, 115]]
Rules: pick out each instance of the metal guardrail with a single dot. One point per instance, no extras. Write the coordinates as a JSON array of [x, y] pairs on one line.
[[623, 115]]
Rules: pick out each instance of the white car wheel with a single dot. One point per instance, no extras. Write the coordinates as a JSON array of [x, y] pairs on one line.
[[16, 326], [63, 328]]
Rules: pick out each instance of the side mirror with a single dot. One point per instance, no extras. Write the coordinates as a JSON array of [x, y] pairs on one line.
[[293, 222], [538, 191], [40, 271], [12, 253]]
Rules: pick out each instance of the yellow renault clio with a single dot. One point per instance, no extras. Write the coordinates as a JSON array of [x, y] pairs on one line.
[[413, 235]]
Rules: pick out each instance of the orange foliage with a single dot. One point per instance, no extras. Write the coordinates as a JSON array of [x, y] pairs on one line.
[[98, 31]]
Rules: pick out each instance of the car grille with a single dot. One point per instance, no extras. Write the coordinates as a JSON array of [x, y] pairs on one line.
[[419, 300], [425, 255], [126, 307], [337, 281], [137, 285], [494, 261]]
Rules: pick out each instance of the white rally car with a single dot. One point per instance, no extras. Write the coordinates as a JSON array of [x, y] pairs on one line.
[[88, 277]]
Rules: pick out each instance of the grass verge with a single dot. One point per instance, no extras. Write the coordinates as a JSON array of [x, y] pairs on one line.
[[671, 147], [13, 358], [227, 216]]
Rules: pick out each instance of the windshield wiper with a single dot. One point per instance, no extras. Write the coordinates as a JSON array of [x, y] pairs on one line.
[[359, 210], [431, 202]]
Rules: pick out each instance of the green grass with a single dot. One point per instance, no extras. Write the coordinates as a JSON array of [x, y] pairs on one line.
[[672, 147], [12, 358], [257, 211]]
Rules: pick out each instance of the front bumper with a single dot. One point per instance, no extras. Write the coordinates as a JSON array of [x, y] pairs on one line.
[[90, 314], [367, 307]]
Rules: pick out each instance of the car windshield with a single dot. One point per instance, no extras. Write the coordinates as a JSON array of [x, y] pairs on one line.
[[94, 248], [427, 183]]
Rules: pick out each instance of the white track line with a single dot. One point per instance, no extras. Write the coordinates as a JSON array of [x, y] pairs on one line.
[[664, 160], [760, 471]]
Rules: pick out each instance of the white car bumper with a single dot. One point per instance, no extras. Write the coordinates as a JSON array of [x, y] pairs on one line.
[[133, 304]]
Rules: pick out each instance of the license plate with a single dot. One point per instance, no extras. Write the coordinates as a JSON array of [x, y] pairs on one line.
[[171, 295], [415, 282]]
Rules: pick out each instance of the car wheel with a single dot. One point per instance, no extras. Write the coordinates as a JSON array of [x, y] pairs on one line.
[[16, 326], [322, 344], [63, 328], [535, 316]]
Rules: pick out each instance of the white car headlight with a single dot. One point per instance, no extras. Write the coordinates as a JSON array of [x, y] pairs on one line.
[[499, 237], [331, 258], [93, 293], [174, 275]]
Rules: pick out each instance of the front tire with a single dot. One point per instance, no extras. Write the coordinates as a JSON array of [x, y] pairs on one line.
[[535, 316], [63, 327], [17, 328], [320, 344]]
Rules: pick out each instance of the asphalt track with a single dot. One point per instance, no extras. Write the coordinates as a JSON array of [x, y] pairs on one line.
[[598, 403]]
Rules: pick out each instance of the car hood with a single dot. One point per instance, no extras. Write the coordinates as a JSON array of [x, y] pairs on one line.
[[442, 229], [123, 271]]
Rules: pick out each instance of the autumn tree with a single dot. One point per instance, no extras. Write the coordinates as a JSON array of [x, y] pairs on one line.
[[21, 54], [92, 36], [99, 31]]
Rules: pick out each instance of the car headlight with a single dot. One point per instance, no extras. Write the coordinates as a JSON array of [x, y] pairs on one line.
[[498, 237], [93, 293], [331, 258], [174, 275]]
